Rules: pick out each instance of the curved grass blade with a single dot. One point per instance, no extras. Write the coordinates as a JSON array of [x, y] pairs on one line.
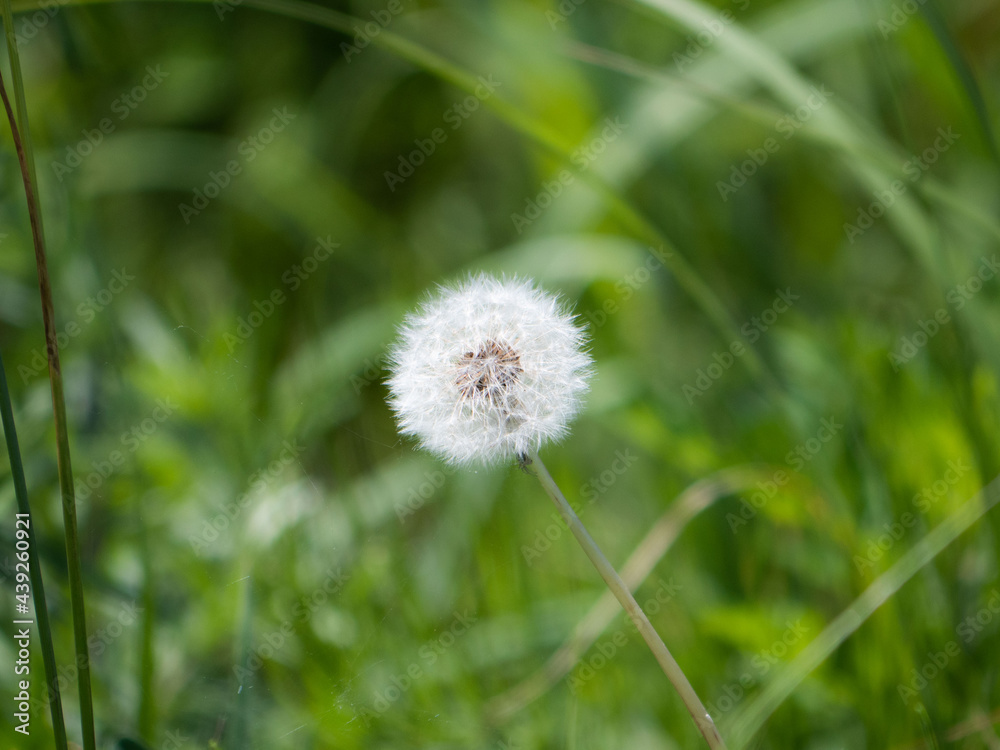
[[775, 73], [887, 156], [914, 226], [35, 566], [550, 140], [770, 67], [790, 87], [692, 501], [544, 136], [751, 718], [779, 35], [62, 434]]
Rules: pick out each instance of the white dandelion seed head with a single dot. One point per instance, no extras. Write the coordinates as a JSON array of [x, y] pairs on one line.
[[488, 370]]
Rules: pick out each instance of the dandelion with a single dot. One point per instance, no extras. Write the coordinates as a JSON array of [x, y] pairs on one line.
[[489, 371]]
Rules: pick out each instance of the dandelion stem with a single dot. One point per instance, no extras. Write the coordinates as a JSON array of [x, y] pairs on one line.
[[617, 586]]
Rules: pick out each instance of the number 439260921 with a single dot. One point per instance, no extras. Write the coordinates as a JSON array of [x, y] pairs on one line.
[[22, 589]]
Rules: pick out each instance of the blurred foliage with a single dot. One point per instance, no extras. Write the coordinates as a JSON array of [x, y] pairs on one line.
[[242, 199]]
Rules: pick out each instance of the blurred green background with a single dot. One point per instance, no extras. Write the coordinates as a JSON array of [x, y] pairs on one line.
[[778, 220]]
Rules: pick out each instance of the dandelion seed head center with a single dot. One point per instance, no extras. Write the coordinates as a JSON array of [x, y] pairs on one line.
[[489, 372]]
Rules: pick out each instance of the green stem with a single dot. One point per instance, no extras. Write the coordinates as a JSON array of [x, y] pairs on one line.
[[17, 80], [62, 439], [34, 566], [617, 586], [239, 737], [147, 662], [685, 507]]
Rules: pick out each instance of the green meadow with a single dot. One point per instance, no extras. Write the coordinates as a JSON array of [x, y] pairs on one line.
[[779, 223]]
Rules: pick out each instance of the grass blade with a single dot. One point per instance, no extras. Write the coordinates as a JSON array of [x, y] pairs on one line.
[[62, 429], [936, 21], [550, 140], [35, 566], [147, 662], [240, 734], [702, 719], [750, 719], [636, 569], [17, 82]]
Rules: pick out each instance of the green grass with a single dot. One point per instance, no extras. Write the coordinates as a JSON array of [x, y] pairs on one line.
[[417, 545]]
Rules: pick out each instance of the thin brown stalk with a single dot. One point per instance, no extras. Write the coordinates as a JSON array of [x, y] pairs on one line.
[[62, 438]]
